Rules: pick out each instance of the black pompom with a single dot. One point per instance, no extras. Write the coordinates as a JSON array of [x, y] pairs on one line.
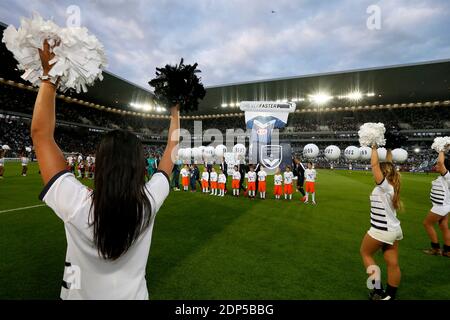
[[178, 84], [394, 139]]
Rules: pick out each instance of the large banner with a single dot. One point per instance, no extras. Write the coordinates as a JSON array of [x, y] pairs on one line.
[[264, 118]]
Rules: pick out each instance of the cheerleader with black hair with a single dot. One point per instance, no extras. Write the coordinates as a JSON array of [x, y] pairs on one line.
[[438, 215], [108, 229]]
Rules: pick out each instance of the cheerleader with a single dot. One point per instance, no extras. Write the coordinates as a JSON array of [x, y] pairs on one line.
[[2, 162], [438, 215], [108, 228], [385, 232], [236, 181]]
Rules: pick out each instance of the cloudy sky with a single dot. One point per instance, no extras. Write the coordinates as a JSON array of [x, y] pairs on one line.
[[237, 41]]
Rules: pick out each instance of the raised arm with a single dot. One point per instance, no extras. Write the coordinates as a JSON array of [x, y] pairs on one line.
[[49, 156], [389, 155], [440, 165], [173, 138], [375, 163]]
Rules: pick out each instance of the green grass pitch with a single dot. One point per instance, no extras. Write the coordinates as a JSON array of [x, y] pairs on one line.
[[207, 247]]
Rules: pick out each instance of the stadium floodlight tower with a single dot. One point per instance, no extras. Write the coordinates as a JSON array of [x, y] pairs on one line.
[[264, 118]]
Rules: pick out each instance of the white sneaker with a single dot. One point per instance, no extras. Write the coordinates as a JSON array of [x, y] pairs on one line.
[[313, 202], [306, 201]]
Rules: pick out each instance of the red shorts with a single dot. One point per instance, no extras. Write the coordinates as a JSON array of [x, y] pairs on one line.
[[213, 184], [185, 181], [277, 190], [251, 186], [288, 188], [262, 186], [235, 184], [221, 186], [309, 187], [204, 184]]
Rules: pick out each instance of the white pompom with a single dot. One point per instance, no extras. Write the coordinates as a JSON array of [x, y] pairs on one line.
[[79, 56], [441, 144], [399, 155], [6, 147], [332, 152], [311, 151], [382, 152], [351, 153], [28, 149], [372, 134], [365, 153]]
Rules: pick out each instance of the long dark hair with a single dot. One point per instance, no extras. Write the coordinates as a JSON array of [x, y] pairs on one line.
[[120, 207]]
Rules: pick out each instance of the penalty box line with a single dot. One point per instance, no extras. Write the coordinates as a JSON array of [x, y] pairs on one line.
[[22, 208]]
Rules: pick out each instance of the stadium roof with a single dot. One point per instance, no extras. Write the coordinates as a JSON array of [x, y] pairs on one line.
[[419, 82]]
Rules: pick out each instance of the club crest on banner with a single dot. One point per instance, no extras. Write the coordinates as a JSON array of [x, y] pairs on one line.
[[264, 119], [271, 156]]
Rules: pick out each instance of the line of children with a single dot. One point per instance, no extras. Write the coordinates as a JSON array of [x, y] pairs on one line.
[[214, 183]]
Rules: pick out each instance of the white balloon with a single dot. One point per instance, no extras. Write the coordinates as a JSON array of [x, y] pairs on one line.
[[239, 149], [382, 152], [365, 153], [220, 151], [197, 154], [180, 153], [332, 152], [399, 155], [208, 152], [311, 151], [187, 154], [351, 153]]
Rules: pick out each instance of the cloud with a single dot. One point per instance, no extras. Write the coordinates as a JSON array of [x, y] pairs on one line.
[[236, 41]]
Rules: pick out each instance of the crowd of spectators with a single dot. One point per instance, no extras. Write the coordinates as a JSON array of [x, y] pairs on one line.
[[333, 126]]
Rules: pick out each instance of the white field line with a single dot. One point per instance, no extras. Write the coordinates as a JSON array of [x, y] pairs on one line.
[[23, 208]]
